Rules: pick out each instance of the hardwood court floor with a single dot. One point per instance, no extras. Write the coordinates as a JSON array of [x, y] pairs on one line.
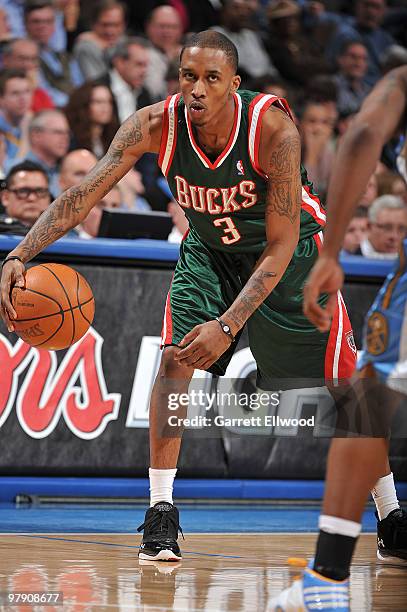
[[231, 572]]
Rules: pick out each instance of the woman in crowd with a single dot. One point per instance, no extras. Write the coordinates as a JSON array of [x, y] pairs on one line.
[[92, 116]]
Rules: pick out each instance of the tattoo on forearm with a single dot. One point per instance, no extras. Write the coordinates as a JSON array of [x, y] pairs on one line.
[[249, 299], [65, 212], [284, 191]]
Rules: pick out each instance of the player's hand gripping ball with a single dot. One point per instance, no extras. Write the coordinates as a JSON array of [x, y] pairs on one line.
[[55, 309]]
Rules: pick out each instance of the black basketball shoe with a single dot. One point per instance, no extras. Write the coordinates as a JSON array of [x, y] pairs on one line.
[[392, 538], [161, 526]]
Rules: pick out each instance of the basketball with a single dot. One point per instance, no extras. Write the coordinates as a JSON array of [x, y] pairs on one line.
[[55, 309]]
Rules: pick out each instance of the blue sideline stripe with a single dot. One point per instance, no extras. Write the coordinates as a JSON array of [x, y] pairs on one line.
[[192, 489], [155, 250], [160, 250]]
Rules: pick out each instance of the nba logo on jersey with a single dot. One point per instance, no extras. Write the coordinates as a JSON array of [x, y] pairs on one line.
[[240, 169]]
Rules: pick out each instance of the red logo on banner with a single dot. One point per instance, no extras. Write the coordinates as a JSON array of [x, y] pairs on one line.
[[48, 391]]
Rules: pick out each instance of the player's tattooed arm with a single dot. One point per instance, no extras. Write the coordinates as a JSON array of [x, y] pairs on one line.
[[71, 207], [281, 163]]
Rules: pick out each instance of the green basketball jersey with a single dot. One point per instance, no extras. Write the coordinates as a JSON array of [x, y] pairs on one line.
[[225, 200]]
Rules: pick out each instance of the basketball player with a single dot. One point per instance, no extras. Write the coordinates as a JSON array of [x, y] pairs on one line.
[[232, 160], [355, 465]]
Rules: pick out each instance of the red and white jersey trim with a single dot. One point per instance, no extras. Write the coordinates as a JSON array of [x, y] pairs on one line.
[[313, 206], [169, 135], [258, 107], [232, 139]]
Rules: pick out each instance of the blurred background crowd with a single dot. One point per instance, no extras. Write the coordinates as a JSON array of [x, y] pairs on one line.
[[72, 71]]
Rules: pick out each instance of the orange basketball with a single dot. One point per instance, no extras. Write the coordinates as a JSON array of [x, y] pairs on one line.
[[55, 309]]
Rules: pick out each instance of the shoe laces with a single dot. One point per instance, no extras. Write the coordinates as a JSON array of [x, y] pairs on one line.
[[160, 521]]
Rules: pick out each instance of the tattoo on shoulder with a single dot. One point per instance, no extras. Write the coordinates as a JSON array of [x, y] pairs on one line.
[[284, 190]]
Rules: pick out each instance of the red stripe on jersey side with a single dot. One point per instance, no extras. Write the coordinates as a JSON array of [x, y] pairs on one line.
[[314, 197], [318, 242], [226, 150], [348, 354], [166, 330], [174, 144], [166, 333], [346, 361], [310, 209], [164, 133], [331, 346]]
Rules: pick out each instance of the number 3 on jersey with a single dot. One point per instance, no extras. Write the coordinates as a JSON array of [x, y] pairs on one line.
[[231, 233]]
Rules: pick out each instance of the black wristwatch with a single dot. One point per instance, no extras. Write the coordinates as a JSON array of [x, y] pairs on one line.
[[225, 328]]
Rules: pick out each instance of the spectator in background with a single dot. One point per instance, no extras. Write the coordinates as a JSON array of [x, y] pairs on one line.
[[356, 232], [365, 27], [269, 84], [390, 183], [15, 103], [316, 127], [92, 117], [296, 55], [3, 157], [5, 32], [23, 54], [49, 137], [74, 167], [371, 192], [164, 30], [350, 79], [91, 48], [89, 228], [127, 77], [59, 74], [172, 78], [387, 228], [179, 220], [15, 12], [25, 196], [237, 22]]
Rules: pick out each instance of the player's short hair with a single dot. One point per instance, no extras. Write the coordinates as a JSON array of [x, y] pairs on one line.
[[211, 39], [25, 166]]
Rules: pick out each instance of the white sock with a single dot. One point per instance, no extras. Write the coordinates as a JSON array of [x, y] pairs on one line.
[[385, 496], [333, 524], [161, 483]]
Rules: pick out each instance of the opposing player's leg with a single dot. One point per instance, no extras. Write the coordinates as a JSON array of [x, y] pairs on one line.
[[203, 286], [356, 465]]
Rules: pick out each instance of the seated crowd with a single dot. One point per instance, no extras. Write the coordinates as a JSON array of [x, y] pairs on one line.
[[71, 71]]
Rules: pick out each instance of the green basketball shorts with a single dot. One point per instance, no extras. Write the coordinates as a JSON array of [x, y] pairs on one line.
[[283, 342]]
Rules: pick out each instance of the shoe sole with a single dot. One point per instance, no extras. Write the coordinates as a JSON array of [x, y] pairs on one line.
[[163, 555], [389, 560]]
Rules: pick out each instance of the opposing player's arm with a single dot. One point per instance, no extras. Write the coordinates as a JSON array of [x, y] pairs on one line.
[[375, 124], [280, 157], [136, 136]]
